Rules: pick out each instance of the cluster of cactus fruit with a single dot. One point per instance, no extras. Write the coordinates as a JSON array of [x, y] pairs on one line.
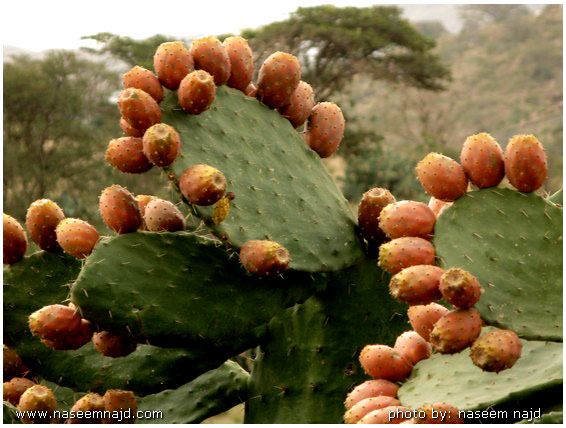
[[307, 290]]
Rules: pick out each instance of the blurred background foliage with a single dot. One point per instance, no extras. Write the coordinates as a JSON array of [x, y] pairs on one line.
[[406, 88]]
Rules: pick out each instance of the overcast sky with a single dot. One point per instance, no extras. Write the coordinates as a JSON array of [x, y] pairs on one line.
[[37, 25]]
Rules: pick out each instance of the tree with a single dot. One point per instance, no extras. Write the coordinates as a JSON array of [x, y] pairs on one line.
[[333, 44]]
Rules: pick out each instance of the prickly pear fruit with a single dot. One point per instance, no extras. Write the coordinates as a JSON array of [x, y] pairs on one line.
[[91, 403], [14, 389], [138, 108], [72, 341], [278, 78], [251, 90], [209, 55], [241, 62], [413, 347], [264, 257], [141, 78], [13, 365], [126, 154], [76, 237], [221, 210], [325, 129], [172, 61], [143, 200], [196, 92], [437, 206], [442, 177], [401, 253], [423, 318], [407, 218], [119, 209], [54, 322], [202, 184], [42, 219], [15, 240], [456, 331], [367, 405], [383, 362], [525, 163], [116, 400], [482, 160], [372, 203], [161, 144], [497, 350], [38, 402], [371, 388], [438, 413], [460, 288], [387, 415], [300, 106], [129, 130], [163, 216], [416, 285], [112, 345]]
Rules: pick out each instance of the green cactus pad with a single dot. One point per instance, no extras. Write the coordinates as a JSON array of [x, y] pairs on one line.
[[43, 279], [309, 360], [9, 414], [179, 289], [456, 380], [282, 189], [210, 394], [546, 418], [512, 242], [556, 198]]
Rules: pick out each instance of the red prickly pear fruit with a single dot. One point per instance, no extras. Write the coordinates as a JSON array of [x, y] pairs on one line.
[[119, 209], [251, 90], [482, 160], [196, 92], [442, 177], [13, 365], [300, 106], [372, 203], [202, 184], [496, 351], [38, 404], [209, 55], [325, 129], [438, 413], [387, 415], [15, 240], [163, 216], [92, 403], [423, 318], [383, 362], [112, 345], [76, 237], [437, 206], [138, 108], [416, 285], [407, 218], [161, 144], [72, 341], [141, 78], [241, 62], [264, 257], [143, 200], [172, 61], [525, 163], [14, 389], [42, 219], [54, 322], [456, 331], [371, 388], [362, 408], [460, 288], [129, 130], [126, 155], [116, 400], [413, 347], [401, 253], [278, 78]]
